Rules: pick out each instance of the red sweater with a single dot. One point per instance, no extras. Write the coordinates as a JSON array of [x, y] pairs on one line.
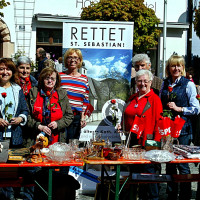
[[149, 119]]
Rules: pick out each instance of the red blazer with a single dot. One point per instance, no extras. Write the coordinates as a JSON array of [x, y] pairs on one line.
[[149, 118]]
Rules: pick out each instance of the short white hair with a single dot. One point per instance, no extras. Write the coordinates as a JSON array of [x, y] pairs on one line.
[[144, 72], [141, 57]]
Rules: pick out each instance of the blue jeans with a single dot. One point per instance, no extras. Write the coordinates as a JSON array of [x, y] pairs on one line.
[[185, 188], [151, 190], [73, 130]]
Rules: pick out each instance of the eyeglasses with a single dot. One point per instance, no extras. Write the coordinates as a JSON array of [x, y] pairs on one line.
[[174, 66], [145, 81], [50, 78], [73, 58]]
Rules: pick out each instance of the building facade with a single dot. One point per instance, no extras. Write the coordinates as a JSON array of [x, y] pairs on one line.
[[29, 24]]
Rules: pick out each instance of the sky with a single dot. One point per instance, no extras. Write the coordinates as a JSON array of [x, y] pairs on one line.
[[99, 62]]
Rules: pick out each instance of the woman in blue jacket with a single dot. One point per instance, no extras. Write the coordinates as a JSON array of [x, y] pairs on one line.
[[13, 110], [14, 117]]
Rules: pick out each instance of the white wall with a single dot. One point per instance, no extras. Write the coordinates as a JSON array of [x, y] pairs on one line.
[[61, 7], [175, 44], [175, 9]]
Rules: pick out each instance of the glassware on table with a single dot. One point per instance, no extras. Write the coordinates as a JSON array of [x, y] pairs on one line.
[[133, 154], [74, 144], [106, 151], [113, 156], [59, 152], [119, 149]]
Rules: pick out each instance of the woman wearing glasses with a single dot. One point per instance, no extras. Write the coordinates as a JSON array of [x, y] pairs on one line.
[[77, 88], [50, 112], [145, 107]]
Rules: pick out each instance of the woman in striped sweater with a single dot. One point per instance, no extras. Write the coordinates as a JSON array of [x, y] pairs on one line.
[[77, 88]]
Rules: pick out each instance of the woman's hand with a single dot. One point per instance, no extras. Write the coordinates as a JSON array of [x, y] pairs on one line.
[[15, 121], [3, 122], [119, 127], [83, 123], [173, 106], [45, 129], [53, 125]]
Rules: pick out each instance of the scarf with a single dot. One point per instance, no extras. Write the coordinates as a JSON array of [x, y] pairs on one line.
[[25, 85]]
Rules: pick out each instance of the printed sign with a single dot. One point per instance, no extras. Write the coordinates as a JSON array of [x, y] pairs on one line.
[[107, 56]]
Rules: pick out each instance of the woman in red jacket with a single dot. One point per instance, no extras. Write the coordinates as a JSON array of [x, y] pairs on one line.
[[145, 107], [50, 111]]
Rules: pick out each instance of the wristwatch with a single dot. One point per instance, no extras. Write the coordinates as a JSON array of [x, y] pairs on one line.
[[23, 120]]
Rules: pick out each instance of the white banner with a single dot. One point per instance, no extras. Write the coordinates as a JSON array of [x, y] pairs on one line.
[[100, 35], [107, 55]]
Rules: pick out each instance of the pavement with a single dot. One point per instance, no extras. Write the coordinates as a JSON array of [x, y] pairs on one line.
[[162, 195]]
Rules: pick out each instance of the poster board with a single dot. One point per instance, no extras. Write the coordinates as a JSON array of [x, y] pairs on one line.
[[107, 55]]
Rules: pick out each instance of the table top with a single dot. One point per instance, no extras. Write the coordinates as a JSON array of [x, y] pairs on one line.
[[43, 164], [122, 161]]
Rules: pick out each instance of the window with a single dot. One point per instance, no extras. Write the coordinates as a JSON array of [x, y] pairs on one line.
[[43, 35]]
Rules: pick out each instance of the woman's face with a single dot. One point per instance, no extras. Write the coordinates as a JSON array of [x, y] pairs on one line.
[[5, 73], [24, 70], [50, 81], [73, 61], [176, 70], [143, 84]]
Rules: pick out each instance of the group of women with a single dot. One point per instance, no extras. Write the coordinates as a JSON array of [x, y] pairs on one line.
[[149, 108], [44, 106], [29, 107]]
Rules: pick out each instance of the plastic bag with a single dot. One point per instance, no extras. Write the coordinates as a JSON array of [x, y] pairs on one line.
[[4, 146], [160, 156]]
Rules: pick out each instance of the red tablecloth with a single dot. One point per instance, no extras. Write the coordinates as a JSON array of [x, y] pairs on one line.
[[43, 164], [122, 161]]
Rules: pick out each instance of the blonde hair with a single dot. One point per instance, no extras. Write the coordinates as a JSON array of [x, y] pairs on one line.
[[70, 52], [175, 60]]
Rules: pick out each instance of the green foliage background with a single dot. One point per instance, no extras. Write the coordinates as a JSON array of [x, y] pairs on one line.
[[197, 22], [3, 4], [145, 20]]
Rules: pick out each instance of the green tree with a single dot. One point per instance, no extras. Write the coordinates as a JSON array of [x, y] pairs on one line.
[[145, 20], [197, 22], [3, 4]]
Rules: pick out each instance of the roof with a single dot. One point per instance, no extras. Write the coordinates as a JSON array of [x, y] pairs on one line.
[[53, 18]]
